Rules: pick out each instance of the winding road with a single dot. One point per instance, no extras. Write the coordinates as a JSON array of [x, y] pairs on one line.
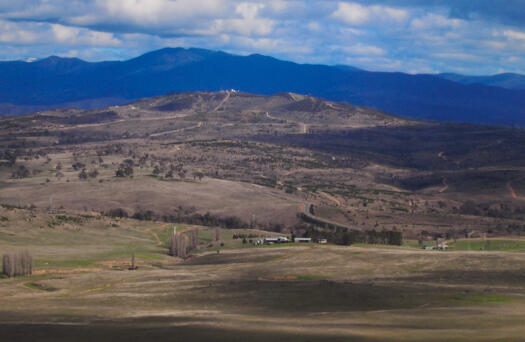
[[306, 212]]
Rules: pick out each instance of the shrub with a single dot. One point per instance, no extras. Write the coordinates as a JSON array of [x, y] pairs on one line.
[[125, 169], [78, 166], [21, 172], [83, 174]]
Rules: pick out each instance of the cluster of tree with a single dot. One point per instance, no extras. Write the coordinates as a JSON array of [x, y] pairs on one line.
[[21, 172], [182, 244], [170, 171], [10, 156], [111, 149], [190, 216], [125, 169], [83, 175], [117, 212], [78, 166], [17, 264], [144, 215], [502, 210], [513, 228], [178, 245], [228, 222], [343, 236], [198, 174]]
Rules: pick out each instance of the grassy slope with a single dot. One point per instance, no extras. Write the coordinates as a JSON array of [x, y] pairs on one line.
[[309, 292]]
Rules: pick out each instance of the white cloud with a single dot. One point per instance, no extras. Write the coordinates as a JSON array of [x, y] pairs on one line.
[[353, 14], [361, 50], [279, 6], [161, 12], [432, 21], [514, 35], [14, 33], [249, 23], [42, 33], [75, 36], [356, 15]]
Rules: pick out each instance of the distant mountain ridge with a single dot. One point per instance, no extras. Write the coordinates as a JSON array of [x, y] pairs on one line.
[[56, 82], [505, 80]]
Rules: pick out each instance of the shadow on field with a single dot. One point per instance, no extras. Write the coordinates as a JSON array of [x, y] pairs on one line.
[[469, 277], [309, 296], [126, 331]]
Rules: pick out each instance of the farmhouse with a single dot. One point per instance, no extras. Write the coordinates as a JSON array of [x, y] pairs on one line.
[[302, 240], [272, 240], [440, 247]]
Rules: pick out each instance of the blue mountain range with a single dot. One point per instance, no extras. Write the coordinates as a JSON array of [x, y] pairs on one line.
[[61, 82]]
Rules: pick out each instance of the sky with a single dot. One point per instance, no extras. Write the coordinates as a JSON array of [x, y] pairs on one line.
[[475, 37]]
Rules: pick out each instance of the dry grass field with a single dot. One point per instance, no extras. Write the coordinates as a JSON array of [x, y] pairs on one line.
[[82, 288]]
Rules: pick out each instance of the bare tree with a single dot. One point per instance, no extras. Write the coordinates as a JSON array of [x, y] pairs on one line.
[[182, 250], [217, 235], [173, 244], [178, 245], [17, 264], [194, 239], [133, 266]]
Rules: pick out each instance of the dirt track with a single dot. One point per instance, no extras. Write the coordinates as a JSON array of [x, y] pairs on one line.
[[445, 185], [512, 191], [176, 130]]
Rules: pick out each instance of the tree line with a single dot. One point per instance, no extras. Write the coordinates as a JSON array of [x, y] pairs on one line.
[[344, 236]]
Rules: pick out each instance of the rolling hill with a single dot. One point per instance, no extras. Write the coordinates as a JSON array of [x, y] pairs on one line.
[[262, 160]]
